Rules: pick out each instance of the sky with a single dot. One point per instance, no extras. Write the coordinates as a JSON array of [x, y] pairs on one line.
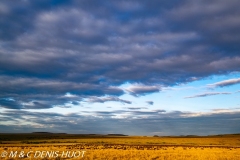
[[127, 67]]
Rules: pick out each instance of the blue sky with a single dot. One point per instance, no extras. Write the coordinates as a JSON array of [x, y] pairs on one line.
[[131, 67]]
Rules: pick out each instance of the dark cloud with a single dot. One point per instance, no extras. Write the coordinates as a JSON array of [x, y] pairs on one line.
[[225, 83], [78, 41], [10, 103], [161, 111], [75, 103], [17, 16], [139, 90], [107, 99], [35, 93], [150, 102], [11, 85], [136, 108], [37, 105], [208, 94]]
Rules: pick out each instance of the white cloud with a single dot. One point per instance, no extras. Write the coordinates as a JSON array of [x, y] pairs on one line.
[[225, 83], [208, 94]]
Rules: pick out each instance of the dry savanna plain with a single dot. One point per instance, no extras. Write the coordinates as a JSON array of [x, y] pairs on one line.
[[118, 147]]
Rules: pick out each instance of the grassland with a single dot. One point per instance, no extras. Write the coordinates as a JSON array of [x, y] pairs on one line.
[[104, 147]]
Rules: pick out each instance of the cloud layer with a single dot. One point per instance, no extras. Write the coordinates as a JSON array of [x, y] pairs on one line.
[[54, 53], [131, 122], [57, 47]]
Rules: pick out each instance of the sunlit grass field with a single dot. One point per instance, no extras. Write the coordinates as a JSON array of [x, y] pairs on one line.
[[105, 147]]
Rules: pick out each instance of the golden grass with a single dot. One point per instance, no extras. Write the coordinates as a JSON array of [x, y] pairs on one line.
[[131, 148], [178, 153], [165, 153]]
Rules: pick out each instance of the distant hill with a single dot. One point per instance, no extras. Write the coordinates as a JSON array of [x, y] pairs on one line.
[[42, 132], [117, 135], [46, 133]]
